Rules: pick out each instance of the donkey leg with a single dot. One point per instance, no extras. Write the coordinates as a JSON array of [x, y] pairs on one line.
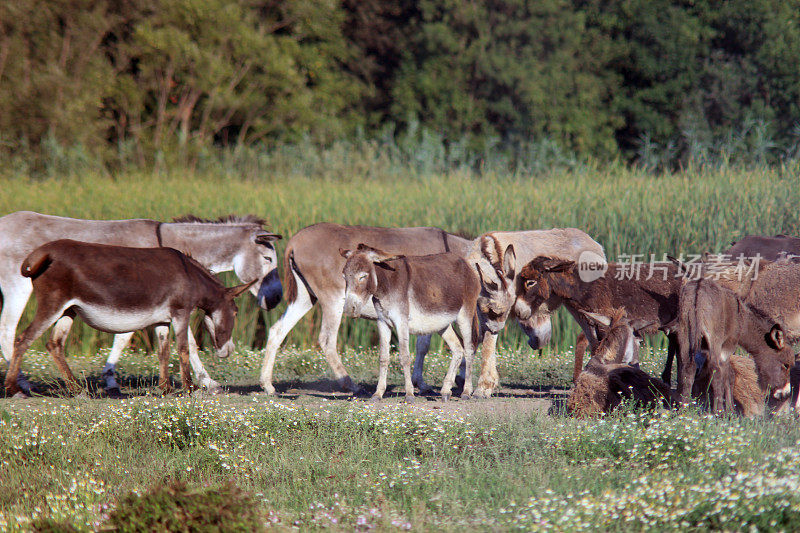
[[686, 371], [405, 360], [197, 366], [672, 349], [328, 334], [55, 345], [121, 341], [15, 296], [581, 343], [181, 328], [423, 345], [301, 305], [385, 335], [45, 317], [162, 334], [489, 378], [465, 322], [457, 356]]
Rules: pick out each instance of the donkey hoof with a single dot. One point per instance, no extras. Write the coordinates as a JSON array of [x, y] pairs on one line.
[[214, 388], [482, 393], [20, 396], [375, 398], [466, 395], [446, 396], [115, 394], [409, 399], [268, 388]]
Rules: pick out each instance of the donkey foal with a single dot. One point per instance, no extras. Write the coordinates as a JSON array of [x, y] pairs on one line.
[[118, 289], [420, 295]]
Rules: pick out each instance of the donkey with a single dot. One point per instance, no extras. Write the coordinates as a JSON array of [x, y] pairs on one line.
[[711, 322], [769, 248], [229, 243], [650, 302], [118, 289], [419, 295], [313, 273], [499, 299], [608, 378]]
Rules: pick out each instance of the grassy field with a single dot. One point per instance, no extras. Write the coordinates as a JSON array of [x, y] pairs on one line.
[[628, 212], [313, 458]]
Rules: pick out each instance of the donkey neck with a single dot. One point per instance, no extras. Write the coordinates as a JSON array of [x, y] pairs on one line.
[[215, 246]]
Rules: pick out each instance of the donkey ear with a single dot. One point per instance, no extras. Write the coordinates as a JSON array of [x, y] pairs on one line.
[[558, 265], [264, 237], [485, 280], [345, 253], [776, 339], [509, 262], [233, 292]]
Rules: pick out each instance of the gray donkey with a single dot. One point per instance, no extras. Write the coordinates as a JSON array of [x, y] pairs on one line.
[[419, 295]]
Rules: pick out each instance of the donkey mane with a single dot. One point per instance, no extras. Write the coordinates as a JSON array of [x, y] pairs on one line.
[[226, 219]]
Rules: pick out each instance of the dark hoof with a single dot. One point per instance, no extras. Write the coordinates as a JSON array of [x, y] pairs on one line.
[[116, 394]]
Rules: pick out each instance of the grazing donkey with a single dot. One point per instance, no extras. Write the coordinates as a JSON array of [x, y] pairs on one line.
[[229, 243], [650, 302], [499, 298], [118, 289], [711, 322], [419, 295]]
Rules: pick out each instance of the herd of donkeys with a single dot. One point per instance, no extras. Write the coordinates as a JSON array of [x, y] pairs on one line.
[[123, 275]]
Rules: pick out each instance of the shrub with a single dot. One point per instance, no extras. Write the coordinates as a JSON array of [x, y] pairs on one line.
[[179, 507]]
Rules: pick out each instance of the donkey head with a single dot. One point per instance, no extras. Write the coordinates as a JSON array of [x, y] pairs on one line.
[[534, 285], [497, 296], [774, 359], [222, 318], [360, 278]]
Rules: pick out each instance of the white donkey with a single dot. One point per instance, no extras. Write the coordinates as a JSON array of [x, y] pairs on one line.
[[230, 243]]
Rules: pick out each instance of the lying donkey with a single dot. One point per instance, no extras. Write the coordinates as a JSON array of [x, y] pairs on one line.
[[711, 322], [118, 289], [608, 379], [419, 295]]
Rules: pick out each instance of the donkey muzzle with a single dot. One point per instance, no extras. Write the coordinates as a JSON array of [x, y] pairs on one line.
[[226, 350], [270, 292], [783, 392]]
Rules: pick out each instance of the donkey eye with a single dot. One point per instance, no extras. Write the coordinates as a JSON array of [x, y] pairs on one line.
[[530, 283], [361, 277]]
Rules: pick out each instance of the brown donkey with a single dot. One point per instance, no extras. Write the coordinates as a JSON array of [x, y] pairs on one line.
[[606, 381], [650, 299], [712, 321], [118, 289], [415, 295]]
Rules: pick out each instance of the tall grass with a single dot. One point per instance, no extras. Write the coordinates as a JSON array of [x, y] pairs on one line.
[[628, 211]]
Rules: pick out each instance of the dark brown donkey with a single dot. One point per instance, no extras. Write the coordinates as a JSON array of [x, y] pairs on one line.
[[649, 297], [118, 289], [712, 321], [416, 295]]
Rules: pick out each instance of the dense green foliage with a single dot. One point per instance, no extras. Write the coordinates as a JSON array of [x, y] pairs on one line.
[[664, 81]]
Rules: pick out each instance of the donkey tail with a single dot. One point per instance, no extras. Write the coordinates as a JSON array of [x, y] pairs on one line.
[[36, 263], [289, 281]]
